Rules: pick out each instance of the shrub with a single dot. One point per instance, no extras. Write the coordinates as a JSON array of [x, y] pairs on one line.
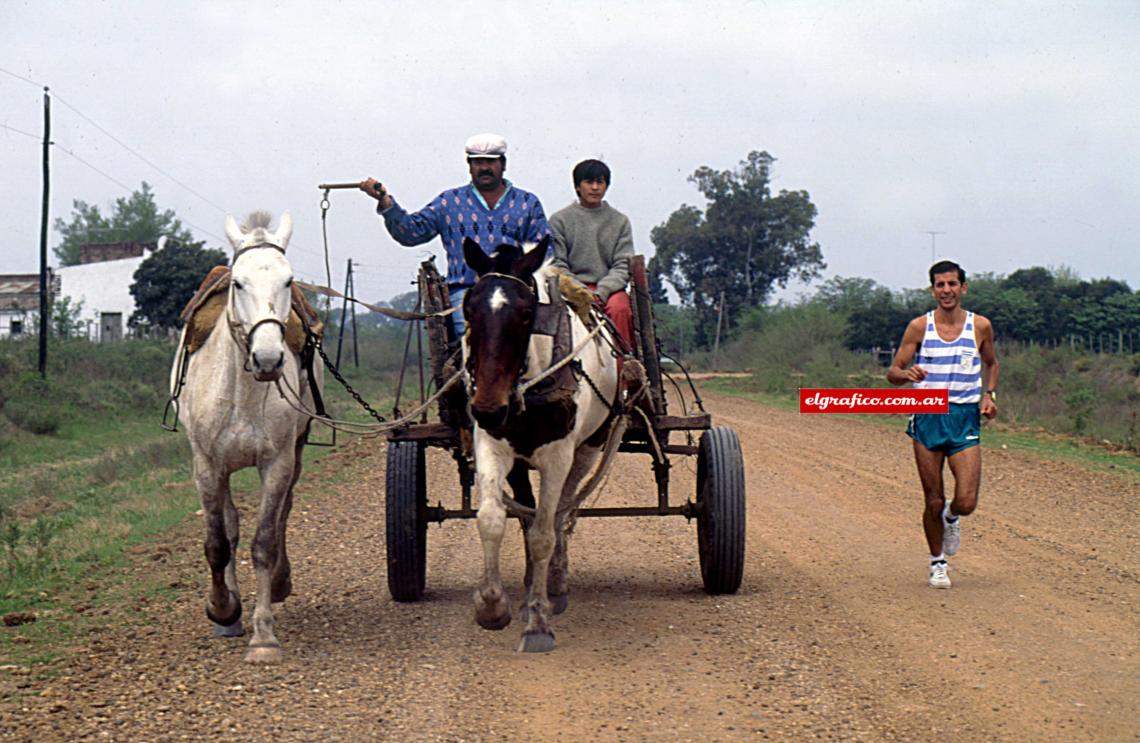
[[801, 346], [34, 416]]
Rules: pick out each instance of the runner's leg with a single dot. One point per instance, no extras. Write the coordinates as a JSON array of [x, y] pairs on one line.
[[967, 468], [930, 473]]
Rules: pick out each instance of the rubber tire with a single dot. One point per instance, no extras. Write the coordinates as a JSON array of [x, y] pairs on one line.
[[406, 499], [720, 503]]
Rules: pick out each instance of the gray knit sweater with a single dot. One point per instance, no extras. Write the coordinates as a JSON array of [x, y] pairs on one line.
[[593, 244]]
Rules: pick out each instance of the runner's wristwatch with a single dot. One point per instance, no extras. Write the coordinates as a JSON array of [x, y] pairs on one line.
[[992, 394]]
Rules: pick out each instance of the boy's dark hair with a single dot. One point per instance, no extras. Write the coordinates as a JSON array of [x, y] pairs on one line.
[[591, 170], [947, 267]]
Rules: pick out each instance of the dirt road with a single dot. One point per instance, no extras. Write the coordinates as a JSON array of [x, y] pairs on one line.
[[834, 634]]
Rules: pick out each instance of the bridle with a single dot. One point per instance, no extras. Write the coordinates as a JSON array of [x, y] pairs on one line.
[[235, 326], [533, 292]]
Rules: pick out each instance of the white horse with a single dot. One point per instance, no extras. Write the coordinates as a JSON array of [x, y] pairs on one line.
[[235, 418], [560, 432]]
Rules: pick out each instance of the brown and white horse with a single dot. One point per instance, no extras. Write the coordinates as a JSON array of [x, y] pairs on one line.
[[560, 433], [235, 418]]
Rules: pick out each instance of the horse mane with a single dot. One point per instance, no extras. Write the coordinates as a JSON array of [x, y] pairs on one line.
[[258, 219]]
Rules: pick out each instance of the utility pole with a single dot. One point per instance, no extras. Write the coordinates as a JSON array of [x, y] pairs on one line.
[[45, 304], [344, 311], [932, 234], [716, 343], [355, 348]]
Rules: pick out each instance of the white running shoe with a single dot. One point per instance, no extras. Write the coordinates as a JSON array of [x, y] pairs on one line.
[[938, 576], [951, 536]]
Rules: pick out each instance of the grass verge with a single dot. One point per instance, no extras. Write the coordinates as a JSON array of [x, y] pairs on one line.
[[77, 507], [1034, 441]]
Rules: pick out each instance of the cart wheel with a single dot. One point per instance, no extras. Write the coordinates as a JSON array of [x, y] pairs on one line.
[[406, 487], [720, 504]]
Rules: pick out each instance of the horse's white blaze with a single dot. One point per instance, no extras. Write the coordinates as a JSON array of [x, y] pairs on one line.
[[498, 299]]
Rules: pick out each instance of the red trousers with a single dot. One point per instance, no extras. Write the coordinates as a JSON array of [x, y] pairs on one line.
[[620, 311]]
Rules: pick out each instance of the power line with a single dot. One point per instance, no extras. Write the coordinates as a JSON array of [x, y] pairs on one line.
[[100, 172], [21, 77], [136, 154], [121, 144], [128, 189], [19, 131]]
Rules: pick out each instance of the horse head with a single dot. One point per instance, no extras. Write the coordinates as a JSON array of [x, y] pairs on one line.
[[499, 311], [261, 281]]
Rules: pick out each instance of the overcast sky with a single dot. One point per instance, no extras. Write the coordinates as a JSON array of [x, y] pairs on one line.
[[1013, 129]]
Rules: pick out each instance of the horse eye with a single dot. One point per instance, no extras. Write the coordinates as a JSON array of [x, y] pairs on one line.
[[238, 286], [289, 283]]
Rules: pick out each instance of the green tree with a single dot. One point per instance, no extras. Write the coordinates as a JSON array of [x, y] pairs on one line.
[[657, 293], [133, 219], [744, 243], [675, 330], [166, 280], [65, 316], [1017, 315]]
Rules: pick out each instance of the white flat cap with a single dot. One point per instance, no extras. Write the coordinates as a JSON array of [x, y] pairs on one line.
[[486, 145]]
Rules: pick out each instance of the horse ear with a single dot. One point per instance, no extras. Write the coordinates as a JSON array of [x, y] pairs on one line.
[[479, 261], [233, 232], [532, 260], [284, 230]]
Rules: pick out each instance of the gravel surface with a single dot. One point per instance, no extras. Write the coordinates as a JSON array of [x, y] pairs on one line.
[[834, 634]]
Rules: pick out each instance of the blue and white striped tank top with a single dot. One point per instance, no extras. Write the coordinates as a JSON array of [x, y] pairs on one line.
[[951, 365]]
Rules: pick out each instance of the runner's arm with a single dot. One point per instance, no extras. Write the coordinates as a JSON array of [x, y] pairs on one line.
[[985, 336], [899, 373]]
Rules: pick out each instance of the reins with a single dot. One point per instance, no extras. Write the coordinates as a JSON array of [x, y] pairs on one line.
[[364, 429], [386, 311]]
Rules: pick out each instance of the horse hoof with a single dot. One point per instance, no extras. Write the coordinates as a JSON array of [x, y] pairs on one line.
[[233, 630], [536, 642], [266, 655], [226, 621], [492, 611], [498, 622], [559, 602]]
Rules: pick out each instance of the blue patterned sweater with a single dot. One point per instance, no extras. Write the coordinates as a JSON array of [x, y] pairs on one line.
[[461, 212]]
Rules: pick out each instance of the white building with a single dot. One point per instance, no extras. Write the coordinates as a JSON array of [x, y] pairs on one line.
[[19, 305], [101, 287], [102, 291]]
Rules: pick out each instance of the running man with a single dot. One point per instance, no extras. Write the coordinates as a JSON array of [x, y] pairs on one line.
[[952, 349]]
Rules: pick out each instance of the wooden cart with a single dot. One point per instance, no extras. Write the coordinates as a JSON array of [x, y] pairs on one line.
[[719, 505]]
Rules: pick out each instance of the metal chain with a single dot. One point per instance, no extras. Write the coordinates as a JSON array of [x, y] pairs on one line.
[[579, 372], [316, 343]]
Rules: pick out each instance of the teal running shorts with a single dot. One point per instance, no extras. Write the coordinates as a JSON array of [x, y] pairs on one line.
[[949, 433]]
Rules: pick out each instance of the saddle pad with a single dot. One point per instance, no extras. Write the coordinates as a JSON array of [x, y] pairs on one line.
[[208, 304]]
